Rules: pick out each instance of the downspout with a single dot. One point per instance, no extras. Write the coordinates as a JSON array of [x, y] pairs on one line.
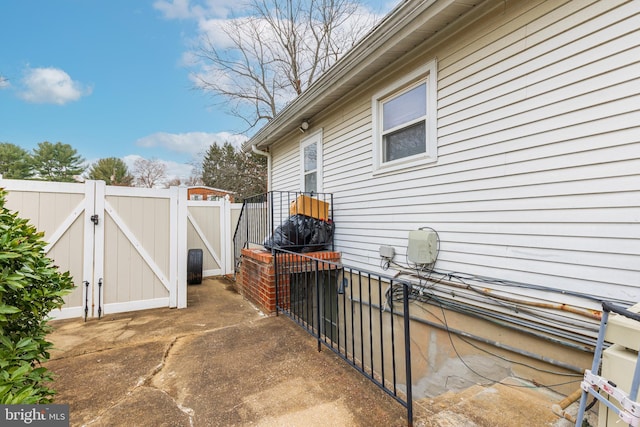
[[268, 156]]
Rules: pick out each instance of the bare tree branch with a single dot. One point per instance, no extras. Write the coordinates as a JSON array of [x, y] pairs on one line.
[[149, 173], [275, 53]]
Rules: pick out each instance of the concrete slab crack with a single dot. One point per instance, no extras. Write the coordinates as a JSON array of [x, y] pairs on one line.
[[146, 381]]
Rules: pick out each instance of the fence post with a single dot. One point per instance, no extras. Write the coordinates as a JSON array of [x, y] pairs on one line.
[[226, 239], [179, 194]]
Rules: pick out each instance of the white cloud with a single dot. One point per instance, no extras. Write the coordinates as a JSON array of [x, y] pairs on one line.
[[51, 86], [212, 30], [174, 9], [178, 170], [187, 9], [193, 143], [224, 8]]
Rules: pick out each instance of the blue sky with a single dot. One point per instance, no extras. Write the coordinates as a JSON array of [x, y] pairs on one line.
[[110, 77]]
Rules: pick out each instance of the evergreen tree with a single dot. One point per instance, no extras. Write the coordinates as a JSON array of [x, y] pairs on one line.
[[57, 162], [232, 170], [15, 162], [111, 170]]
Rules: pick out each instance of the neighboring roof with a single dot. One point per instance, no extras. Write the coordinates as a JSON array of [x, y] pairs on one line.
[[409, 24], [210, 188]]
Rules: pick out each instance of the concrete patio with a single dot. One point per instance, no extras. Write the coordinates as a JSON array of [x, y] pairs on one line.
[[221, 362]]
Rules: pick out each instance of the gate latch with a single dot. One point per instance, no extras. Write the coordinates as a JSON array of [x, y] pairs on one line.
[[94, 219]]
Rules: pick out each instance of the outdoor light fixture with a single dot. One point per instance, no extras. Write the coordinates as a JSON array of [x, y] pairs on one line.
[[304, 125], [342, 285]]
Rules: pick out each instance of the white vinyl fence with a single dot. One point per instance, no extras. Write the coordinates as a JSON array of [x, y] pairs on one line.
[[125, 247]]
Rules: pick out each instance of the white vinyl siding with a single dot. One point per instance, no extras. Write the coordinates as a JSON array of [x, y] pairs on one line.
[[286, 166], [538, 171]]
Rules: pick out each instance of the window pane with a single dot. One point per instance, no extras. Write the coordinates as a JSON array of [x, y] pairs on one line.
[[405, 142], [310, 182], [310, 157], [406, 107]]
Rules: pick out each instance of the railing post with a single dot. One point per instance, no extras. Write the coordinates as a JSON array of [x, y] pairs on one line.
[[247, 224], [271, 222], [333, 248], [276, 268], [319, 320], [407, 354]]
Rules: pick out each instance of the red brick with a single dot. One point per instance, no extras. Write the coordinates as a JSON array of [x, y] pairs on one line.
[[258, 279]]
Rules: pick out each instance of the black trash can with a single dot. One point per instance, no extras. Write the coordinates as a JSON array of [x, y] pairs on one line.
[[194, 267]]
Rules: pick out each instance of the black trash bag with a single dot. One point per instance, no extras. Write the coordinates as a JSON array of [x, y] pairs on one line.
[[298, 232], [277, 240], [322, 236], [292, 234]]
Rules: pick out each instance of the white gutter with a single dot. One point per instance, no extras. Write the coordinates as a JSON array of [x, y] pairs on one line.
[[268, 156]]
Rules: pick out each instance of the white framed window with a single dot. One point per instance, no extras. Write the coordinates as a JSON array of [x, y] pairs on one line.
[[311, 163], [404, 121]]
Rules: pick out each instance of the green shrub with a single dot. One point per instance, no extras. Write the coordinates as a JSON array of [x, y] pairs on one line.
[[30, 287]]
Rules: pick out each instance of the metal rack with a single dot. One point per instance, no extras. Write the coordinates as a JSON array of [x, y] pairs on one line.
[[601, 388]]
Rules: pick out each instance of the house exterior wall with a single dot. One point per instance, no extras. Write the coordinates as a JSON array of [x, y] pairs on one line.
[[536, 178], [443, 359]]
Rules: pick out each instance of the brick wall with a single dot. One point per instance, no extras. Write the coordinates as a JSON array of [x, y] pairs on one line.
[[257, 281]]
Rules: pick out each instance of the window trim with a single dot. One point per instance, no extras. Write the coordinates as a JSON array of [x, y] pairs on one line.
[[304, 142], [427, 73]]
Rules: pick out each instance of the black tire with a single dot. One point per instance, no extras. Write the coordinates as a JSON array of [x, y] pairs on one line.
[[194, 267]]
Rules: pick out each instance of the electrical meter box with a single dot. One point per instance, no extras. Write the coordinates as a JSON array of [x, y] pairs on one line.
[[423, 246]]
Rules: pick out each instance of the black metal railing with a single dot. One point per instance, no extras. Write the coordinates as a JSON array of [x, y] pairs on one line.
[[253, 224], [361, 316], [276, 217]]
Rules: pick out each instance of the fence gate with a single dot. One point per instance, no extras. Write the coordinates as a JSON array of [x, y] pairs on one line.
[[125, 247], [209, 227]]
